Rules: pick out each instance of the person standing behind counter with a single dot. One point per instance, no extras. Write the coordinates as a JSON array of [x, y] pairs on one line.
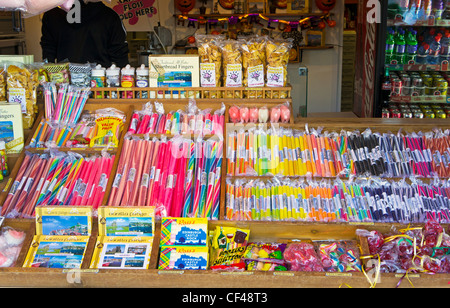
[[99, 36]]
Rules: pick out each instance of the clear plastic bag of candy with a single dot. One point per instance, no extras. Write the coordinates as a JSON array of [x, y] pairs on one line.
[[302, 257]]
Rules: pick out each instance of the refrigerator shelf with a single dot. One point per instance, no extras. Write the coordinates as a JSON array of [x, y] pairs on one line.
[[443, 67]]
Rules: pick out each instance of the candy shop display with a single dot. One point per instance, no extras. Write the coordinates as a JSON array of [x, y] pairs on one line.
[[192, 121], [410, 250], [57, 179], [179, 176], [11, 241]]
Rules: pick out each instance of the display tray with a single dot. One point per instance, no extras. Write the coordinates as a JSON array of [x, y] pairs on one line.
[[265, 231], [260, 231]]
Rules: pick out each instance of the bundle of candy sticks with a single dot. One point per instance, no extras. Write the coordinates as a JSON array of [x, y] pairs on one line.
[[57, 179], [288, 152], [191, 121], [179, 176], [362, 200]]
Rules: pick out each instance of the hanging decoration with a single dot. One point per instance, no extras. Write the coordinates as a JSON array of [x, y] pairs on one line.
[[255, 19]]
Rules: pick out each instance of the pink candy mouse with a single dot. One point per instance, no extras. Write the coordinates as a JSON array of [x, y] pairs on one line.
[[275, 114], [234, 114], [245, 114], [285, 114], [253, 115]]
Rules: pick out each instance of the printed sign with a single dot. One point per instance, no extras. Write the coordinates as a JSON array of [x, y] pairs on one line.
[[132, 10]]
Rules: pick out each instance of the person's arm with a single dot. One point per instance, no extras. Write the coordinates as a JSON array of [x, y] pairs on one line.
[[118, 45], [48, 40]]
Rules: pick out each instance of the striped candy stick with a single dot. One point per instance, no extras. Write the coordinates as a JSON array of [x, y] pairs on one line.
[[198, 178], [189, 178], [217, 177], [210, 188]]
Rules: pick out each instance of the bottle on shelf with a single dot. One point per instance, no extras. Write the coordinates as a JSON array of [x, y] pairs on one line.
[[400, 46], [422, 53], [411, 46], [390, 46], [434, 51], [386, 89], [445, 47]]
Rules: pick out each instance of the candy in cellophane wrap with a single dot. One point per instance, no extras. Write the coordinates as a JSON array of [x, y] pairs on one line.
[[277, 59], [302, 257], [210, 62], [265, 257], [338, 256], [21, 84], [11, 241], [410, 250], [228, 245]]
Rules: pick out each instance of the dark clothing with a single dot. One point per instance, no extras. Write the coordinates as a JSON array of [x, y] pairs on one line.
[[99, 38]]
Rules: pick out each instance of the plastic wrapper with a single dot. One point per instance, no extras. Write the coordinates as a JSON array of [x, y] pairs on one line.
[[302, 257], [2, 84], [232, 67], [265, 257], [58, 73], [228, 245], [80, 74], [11, 242], [210, 57], [277, 59], [254, 64], [22, 83], [338, 256]]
